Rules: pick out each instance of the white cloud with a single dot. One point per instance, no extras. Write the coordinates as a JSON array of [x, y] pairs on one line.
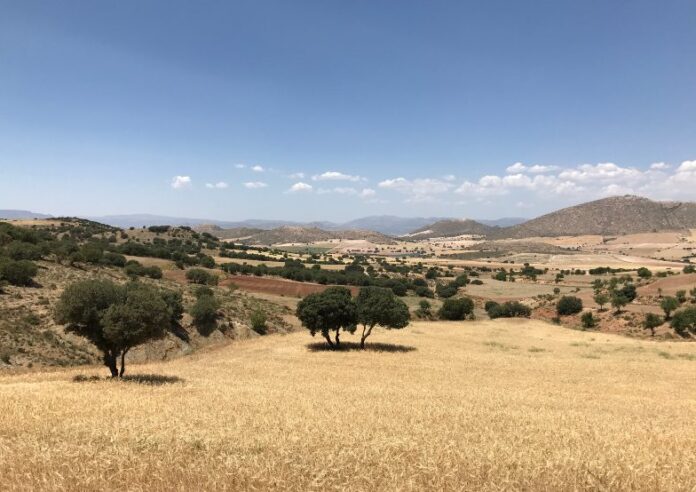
[[297, 176], [336, 176], [421, 189], [449, 177], [518, 167], [368, 193], [240, 166], [660, 166], [220, 185], [687, 166], [300, 187], [258, 169], [181, 182], [254, 185]]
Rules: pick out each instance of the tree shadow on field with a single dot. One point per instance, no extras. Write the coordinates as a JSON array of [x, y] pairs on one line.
[[149, 379], [355, 347]]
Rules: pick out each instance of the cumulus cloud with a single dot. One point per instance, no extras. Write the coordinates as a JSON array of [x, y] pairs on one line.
[[347, 190], [254, 185], [181, 182], [335, 176], [417, 190], [300, 187], [518, 167], [257, 169], [240, 166], [660, 166], [220, 185]]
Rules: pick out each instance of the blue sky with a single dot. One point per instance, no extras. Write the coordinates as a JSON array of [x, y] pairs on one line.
[[333, 110]]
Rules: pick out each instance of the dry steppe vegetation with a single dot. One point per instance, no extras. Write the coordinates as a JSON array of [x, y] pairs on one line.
[[484, 405]]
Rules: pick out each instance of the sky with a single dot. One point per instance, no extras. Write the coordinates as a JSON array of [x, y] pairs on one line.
[[332, 110]]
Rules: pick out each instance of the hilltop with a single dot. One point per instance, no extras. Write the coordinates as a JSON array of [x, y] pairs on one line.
[[451, 228], [609, 216], [616, 215]]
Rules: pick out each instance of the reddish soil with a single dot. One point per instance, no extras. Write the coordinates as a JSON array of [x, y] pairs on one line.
[[277, 286]]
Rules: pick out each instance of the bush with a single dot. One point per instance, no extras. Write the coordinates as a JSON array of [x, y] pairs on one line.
[[424, 309], [205, 311], [258, 322], [446, 290], [568, 305], [20, 273], [588, 320], [456, 309], [510, 309], [201, 277], [424, 291]]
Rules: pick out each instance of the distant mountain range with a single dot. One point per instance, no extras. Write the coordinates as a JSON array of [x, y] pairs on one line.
[[385, 224], [609, 216], [21, 215]]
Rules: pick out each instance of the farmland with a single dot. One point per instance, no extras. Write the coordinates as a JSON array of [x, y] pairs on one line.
[[477, 405]]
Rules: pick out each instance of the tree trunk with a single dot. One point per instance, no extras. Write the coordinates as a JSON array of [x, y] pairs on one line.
[[328, 339], [123, 363], [364, 336], [338, 342], [110, 362]]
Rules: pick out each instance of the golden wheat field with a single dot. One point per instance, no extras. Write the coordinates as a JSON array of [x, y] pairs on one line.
[[486, 405]]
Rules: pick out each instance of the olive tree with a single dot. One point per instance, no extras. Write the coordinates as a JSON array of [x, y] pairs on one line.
[[116, 318], [684, 321], [331, 310], [669, 304], [651, 322], [378, 306]]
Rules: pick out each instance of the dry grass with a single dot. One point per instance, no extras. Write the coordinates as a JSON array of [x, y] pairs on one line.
[[490, 405]]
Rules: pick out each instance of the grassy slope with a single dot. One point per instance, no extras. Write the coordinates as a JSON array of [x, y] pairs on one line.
[[480, 405]]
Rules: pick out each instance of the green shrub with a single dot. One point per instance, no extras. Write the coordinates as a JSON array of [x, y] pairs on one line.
[[456, 309], [510, 309], [588, 320], [258, 322], [205, 311], [201, 277], [568, 305], [20, 273]]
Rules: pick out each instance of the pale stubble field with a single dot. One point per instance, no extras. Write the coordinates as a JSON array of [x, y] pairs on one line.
[[485, 405]]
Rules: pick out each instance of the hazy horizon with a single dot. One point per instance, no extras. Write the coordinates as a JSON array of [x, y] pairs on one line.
[[316, 111]]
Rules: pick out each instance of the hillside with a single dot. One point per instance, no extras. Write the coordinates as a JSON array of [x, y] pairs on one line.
[[608, 216], [451, 228], [297, 234]]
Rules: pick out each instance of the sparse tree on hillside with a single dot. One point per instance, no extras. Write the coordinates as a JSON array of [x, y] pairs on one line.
[[651, 322], [115, 318], [669, 304], [684, 321], [331, 310], [601, 299], [378, 306], [618, 300]]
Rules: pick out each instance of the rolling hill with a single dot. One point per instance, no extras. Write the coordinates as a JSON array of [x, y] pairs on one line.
[[452, 228], [609, 216]]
